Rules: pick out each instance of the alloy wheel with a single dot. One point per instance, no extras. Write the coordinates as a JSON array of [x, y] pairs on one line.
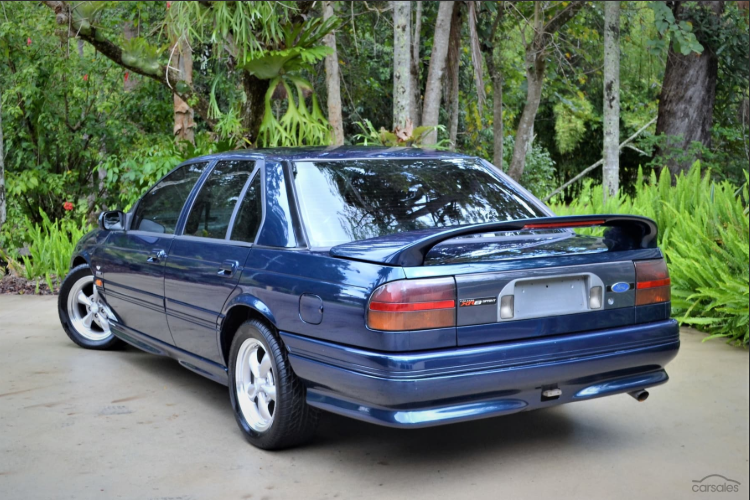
[[88, 314], [255, 385]]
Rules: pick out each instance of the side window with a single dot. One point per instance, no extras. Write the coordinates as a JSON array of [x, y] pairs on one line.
[[159, 210], [209, 217], [248, 219]]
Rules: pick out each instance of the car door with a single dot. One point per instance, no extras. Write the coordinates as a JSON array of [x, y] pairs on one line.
[[204, 264], [131, 262]]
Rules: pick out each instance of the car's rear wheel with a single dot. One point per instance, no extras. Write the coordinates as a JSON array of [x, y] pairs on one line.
[[83, 313], [267, 397]]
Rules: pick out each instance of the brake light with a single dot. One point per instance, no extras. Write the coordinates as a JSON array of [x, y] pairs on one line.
[[413, 305], [652, 282], [553, 225]]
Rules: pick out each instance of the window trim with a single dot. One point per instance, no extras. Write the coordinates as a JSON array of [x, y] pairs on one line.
[[180, 222], [263, 200], [297, 221], [213, 241]]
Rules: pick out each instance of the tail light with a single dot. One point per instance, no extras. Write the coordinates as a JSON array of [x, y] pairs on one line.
[[652, 282], [413, 305]]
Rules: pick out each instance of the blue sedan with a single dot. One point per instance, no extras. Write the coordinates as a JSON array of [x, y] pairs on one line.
[[402, 287]]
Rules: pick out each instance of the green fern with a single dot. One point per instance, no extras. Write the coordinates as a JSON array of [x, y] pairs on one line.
[[50, 246], [704, 233], [137, 52]]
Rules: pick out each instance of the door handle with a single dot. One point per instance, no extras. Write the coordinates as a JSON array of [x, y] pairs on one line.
[[228, 267], [157, 256]]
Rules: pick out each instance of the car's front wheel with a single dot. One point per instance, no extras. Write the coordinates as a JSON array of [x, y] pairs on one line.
[[267, 397], [82, 312]]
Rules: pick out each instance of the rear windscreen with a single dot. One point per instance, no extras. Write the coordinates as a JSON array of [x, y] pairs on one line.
[[343, 201]]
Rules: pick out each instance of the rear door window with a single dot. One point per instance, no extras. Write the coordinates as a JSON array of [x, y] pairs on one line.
[[250, 214], [213, 207], [159, 210]]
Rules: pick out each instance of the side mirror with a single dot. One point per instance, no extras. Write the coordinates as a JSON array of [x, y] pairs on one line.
[[113, 220]]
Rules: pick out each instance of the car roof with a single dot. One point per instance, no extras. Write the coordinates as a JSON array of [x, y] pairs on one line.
[[334, 153]]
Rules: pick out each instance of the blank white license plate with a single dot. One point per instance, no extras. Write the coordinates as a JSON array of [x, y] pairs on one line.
[[550, 297]]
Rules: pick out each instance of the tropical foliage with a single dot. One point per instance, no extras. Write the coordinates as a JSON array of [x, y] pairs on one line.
[[50, 246], [703, 230]]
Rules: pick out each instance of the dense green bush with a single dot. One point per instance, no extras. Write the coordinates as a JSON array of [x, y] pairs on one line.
[[124, 180], [127, 178], [539, 173], [703, 230], [50, 246]]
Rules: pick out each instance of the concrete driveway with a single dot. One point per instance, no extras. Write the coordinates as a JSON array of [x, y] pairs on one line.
[[86, 424]]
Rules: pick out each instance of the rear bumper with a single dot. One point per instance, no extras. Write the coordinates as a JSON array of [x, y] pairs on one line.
[[451, 385]]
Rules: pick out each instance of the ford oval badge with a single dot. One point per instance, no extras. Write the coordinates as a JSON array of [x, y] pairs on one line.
[[620, 287]]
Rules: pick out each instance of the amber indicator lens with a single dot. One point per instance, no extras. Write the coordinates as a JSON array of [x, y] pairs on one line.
[[413, 305], [652, 282]]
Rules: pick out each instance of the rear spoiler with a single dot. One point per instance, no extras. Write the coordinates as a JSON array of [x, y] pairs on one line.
[[627, 232]]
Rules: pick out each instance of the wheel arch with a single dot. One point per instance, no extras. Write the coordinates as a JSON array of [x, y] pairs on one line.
[[238, 310], [78, 260]]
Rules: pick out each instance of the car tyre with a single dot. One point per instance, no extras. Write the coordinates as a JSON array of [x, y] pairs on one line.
[[267, 397], [83, 313]]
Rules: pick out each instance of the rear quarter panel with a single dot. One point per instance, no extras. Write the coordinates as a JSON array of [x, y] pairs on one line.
[[278, 278]]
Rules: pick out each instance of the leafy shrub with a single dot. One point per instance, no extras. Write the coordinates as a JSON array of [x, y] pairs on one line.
[[539, 172], [703, 231], [50, 246], [127, 178], [725, 159], [571, 117]]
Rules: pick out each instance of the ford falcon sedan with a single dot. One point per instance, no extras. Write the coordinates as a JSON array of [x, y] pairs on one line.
[[399, 286]]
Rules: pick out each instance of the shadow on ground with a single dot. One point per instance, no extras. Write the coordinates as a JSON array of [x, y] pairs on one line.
[[507, 435]]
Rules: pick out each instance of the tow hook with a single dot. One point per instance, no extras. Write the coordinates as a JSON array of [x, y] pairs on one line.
[[551, 392]]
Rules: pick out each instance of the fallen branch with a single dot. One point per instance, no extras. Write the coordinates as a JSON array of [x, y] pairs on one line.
[[592, 167]]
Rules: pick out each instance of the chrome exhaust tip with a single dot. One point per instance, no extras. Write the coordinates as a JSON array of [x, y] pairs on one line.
[[640, 396]]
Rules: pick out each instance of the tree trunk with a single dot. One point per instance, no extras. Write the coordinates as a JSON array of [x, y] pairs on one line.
[[686, 103], [496, 76], [184, 122], [431, 105], [475, 46], [452, 69], [402, 95], [414, 105], [535, 65], [611, 167], [453, 126], [333, 82], [3, 213], [255, 105]]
